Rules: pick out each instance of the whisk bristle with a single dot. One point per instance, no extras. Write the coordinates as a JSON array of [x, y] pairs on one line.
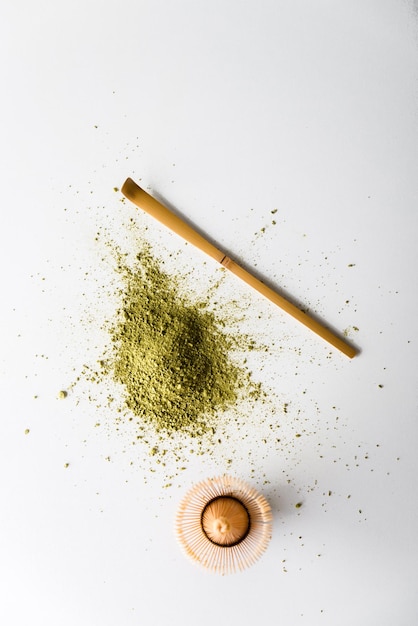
[[224, 524]]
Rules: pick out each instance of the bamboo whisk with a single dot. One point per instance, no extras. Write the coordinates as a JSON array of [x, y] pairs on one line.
[[224, 524], [146, 202]]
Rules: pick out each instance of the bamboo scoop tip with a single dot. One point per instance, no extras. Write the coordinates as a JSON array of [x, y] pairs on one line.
[[128, 187]]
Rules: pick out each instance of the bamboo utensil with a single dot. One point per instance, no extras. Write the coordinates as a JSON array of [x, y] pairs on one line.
[[145, 201], [224, 524]]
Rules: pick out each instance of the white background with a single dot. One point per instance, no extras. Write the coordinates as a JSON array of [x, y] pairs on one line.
[[228, 110]]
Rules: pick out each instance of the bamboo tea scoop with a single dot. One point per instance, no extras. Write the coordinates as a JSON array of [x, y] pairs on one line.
[[144, 201]]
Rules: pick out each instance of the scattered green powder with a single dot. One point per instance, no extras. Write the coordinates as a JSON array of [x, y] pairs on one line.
[[171, 355]]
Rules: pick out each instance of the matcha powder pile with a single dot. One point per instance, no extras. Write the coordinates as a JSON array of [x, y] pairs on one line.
[[171, 356]]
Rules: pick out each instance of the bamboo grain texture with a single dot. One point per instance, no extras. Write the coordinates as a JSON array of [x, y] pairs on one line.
[[153, 207]]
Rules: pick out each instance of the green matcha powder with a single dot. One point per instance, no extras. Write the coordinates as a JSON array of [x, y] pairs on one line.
[[171, 356]]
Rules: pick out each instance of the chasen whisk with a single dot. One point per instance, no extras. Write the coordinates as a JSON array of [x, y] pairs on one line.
[[224, 524]]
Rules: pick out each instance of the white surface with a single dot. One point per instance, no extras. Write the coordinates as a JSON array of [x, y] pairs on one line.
[[227, 110]]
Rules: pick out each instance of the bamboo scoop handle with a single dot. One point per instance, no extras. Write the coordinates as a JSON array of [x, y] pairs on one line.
[[144, 201]]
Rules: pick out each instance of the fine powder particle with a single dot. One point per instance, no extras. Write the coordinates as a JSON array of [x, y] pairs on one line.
[[171, 356]]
